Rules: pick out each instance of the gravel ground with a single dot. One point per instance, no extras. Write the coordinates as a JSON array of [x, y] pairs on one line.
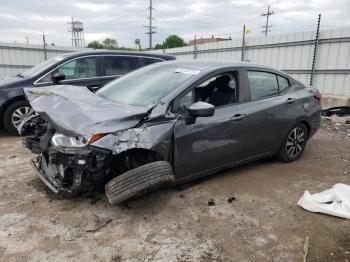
[[261, 223]]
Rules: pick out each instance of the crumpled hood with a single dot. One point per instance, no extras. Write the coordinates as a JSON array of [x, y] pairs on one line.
[[74, 110]]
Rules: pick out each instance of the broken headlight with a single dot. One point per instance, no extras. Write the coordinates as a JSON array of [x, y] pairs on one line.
[[69, 141], [74, 141]]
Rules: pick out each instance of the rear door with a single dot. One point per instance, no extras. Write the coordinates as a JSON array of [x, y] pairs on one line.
[[271, 111], [115, 66]]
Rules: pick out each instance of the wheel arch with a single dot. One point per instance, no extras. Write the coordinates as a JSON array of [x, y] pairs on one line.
[[308, 127], [9, 102]]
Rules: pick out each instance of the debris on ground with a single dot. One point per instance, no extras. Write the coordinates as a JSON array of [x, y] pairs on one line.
[[306, 249], [116, 258], [231, 198], [211, 202], [340, 115], [99, 223], [334, 201], [93, 198], [180, 196]]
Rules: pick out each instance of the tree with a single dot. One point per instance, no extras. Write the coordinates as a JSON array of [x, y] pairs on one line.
[[158, 46], [95, 45], [174, 41], [110, 43]]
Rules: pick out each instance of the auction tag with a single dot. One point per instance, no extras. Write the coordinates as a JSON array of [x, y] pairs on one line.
[[189, 71]]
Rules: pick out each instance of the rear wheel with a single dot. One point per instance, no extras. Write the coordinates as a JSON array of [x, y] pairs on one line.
[[294, 144], [14, 114], [139, 181]]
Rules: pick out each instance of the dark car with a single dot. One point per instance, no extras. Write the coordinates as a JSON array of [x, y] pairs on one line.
[[167, 123], [91, 69]]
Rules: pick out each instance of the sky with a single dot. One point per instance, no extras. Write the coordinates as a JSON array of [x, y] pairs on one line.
[[124, 20]]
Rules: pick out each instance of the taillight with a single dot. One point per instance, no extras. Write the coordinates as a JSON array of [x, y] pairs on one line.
[[318, 97]]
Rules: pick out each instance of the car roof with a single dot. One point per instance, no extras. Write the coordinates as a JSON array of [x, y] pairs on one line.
[[214, 64], [117, 52]]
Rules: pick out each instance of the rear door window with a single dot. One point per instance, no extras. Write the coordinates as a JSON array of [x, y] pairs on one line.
[[120, 65], [262, 84]]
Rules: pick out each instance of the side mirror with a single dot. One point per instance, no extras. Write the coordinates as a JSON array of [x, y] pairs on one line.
[[58, 77], [201, 109]]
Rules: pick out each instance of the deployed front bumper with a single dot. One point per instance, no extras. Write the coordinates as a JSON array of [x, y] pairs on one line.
[[71, 173]]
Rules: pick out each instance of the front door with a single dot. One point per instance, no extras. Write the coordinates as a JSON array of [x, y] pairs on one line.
[[210, 142]]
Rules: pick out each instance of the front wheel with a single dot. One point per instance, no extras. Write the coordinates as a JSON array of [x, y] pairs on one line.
[[14, 114], [294, 144]]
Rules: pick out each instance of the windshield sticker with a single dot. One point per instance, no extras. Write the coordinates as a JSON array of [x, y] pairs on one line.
[[187, 71]]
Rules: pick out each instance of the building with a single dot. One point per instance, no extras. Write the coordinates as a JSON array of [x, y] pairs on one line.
[[211, 39]]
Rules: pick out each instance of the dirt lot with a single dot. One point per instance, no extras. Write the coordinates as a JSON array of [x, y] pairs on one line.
[[263, 223]]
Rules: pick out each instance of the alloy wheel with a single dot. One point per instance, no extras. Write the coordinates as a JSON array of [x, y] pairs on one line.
[[20, 114], [295, 142]]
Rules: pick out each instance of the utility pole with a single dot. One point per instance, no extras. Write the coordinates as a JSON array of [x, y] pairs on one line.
[[150, 26], [267, 26], [195, 47], [314, 58], [27, 39], [44, 44], [243, 44]]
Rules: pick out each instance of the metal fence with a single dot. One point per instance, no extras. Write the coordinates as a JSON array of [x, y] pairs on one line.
[[292, 53], [16, 58]]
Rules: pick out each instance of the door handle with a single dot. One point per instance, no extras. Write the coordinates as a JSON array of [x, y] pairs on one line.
[[237, 117], [290, 100]]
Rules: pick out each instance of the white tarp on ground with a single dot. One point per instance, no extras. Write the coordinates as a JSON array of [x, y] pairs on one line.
[[334, 201]]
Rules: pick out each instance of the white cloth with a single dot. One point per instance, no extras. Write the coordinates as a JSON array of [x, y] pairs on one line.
[[334, 201]]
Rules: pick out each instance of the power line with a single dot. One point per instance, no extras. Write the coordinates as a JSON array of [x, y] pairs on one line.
[[150, 27], [267, 26]]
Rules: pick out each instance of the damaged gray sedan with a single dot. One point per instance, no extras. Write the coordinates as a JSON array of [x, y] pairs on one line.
[[166, 123]]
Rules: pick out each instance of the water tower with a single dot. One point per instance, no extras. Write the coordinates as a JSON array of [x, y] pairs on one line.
[[77, 30]]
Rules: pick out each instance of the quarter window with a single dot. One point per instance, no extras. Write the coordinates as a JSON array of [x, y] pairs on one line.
[[262, 84], [283, 83], [120, 65]]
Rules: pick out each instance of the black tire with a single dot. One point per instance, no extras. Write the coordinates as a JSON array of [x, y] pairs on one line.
[[290, 144], [139, 181], [7, 116]]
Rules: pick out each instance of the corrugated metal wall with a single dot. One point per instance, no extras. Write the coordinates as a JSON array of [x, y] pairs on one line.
[[16, 58], [292, 53]]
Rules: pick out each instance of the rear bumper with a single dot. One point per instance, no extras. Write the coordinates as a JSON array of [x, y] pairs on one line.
[[315, 123]]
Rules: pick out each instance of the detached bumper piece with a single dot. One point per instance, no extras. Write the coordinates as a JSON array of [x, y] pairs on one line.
[[70, 173], [43, 177]]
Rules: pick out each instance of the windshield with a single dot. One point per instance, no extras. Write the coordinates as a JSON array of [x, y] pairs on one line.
[[39, 67], [146, 86]]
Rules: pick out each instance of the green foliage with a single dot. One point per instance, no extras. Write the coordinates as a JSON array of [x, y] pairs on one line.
[[171, 42], [95, 45], [174, 41], [110, 44], [158, 46]]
